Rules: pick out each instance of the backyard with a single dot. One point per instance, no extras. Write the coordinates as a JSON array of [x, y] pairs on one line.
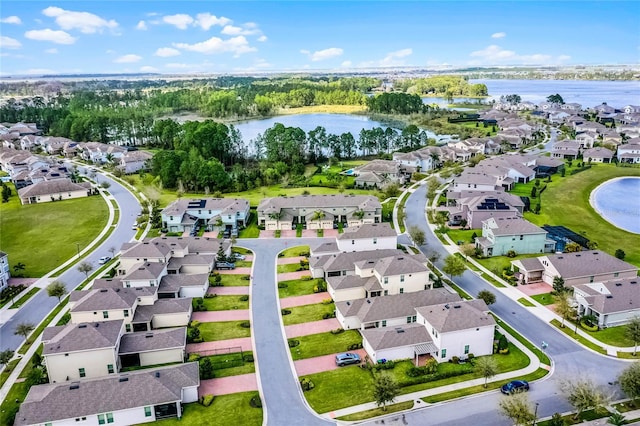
[[212, 331], [225, 410]]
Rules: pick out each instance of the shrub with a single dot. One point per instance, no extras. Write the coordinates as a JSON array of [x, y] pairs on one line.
[[328, 315], [354, 346], [206, 400], [470, 357], [244, 297], [385, 366], [194, 323], [327, 301], [320, 287], [306, 384], [245, 324], [431, 366], [194, 357], [306, 278], [285, 311], [247, 357], [283, 285], [293, 343], [416, 371], [511, 253], [255, 401], [503, 343], [210, 296], [455, 360], [305, 254], [337, 331], [246, 277]]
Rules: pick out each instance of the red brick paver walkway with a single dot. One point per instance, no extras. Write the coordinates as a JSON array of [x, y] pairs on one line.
[[237, 271], [308, 299], [321, 363], [215, 316], [536, 288], [227, 385], [313, 327], [243, 342], [229, 291], [290, 260], [286, 276]]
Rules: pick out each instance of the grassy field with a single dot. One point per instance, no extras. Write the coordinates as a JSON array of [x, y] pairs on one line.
[[297, 287], [55, 226], [324, 344], [569, 330], [391, 408], [233, 409], [307, 313], [566, 202], [221, 370], [614, 336], [496, 264], [463, 235], [251, 230], [224, 303], [523, 301], [212, 331]]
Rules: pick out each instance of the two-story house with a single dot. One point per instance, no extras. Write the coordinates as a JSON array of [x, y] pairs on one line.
[[212, 214], [503, 234]]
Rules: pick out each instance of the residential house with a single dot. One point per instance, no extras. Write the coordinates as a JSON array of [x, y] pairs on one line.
[[369, 236], [318, 211], [504, 234], [631, 109], [380, 173], [24, 129], [422, 160], [567, 149], [53, 190], [101, 153], [134, 161], [147, 348], [162, 314], [575, 268], [183, 215], [5, 271], [629, 153], [587, 139], [142, 396], [598, 155], [613, 302], [337, 264], [476, 209]]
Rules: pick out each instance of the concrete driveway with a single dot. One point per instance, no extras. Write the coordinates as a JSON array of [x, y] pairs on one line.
[[237, 271], [322, 363], [536, 288], [286, 276], [228, 385]]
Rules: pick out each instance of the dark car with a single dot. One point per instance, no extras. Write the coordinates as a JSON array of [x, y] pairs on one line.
[[515, 386], [347, 358], [225, 265]]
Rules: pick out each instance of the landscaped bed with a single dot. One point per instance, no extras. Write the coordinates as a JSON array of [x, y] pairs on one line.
[[308, 313], [324, 344]]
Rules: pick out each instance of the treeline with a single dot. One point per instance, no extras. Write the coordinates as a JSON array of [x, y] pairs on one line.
[[443, 85]]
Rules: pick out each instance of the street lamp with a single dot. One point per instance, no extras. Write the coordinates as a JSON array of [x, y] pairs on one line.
[[575, 331], [78, 248], [535, 414]]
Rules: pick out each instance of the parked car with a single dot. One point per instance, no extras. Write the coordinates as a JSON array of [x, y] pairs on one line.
[[104, 259], [226, 233], [515, 386], [225, 265], [347, 358], [238, 256], [135, 226]]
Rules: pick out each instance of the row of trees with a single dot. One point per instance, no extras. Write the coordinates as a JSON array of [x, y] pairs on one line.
[[442, 85]]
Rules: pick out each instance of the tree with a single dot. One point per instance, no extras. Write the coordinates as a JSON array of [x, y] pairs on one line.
[[468, 250], [572, 247], [563, 306], [453, 266], [558, 284], [417, 235], [85, 267], [6, 193], [5, 356], [517, 408], [385, 389], [583, 395], [105, 185], [486, 367], [632, 332], [206, 368], [620, 254], [630, 381], [556, 99], [24, 329], [57, 289], [488, 297]]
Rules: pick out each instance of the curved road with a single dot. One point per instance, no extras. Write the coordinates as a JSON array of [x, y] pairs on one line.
[[39, 306], [570, 360]]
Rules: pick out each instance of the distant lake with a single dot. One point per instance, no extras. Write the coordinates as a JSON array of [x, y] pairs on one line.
[[618, 201], [588, 93]]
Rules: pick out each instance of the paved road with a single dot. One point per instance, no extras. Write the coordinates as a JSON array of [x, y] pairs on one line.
[[39, 306], [570, 359], [283, 402]]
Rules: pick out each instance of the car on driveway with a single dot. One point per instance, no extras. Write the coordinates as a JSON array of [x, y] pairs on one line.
[[347, 358], [135, 226], [104, 259], [225, 265], [238, 256], [515, 386]]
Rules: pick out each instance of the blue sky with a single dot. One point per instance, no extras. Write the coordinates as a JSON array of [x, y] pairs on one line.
[[239, 36]]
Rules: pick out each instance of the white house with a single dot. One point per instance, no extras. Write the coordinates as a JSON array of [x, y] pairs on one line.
[[5, 272], [209, 213], [613, 302], [370, 236], [629, 153]]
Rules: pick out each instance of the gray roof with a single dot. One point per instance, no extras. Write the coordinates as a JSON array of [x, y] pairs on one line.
[[145, 271], [195, 245], [587, 263], [326, 247], [52, 187], [514, 226], [461, 315], [81, 337], [395, 337], [226, 206], [379, 166], [349, 281], [145, 313], [345, 261], [115, 283], [396, 265], [597, 152], [146, 250], [365, 202], [172, 283], [395, 306], [58, 401], [191, 259], [530, 264], [368, 230], [613, 296], [103, 299], [156, 340]]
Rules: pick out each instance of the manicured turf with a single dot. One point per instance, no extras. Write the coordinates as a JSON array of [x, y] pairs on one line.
[[233, 409], [496, 264], [543, 299], [569, 330], [393, 408], [324, 344], [308, 313], [297, 287], [243, 264], [295, 251], [234, 280], [339, 388], [464, 236], [223, 303], [541, 355], [523, 301], [53, 227], [290, 267], [614, 336], [212, 331], [251, 230], [235, 365]]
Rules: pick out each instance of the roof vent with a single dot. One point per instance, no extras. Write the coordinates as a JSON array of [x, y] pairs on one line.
[[446, 306], [82, 326], [368, 301], [609, 296], [399, 330], [633, 282], [577, 255], [401, 258], [157, 374], [456, 306], [348, 303], [560, 257], [148, 335], [123, 379], [595, 252], [97, 324], [117, 290], [103, 290], [618, 284], [74, 386]]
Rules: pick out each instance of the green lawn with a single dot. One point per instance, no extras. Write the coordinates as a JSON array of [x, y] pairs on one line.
[[308, 313], [541, 355], [339, 388], [297, 287], [54, 227], [243, 264], [523, 301], [566, 202], [584, 416], [289, 267], [543, 299], [231, 365], [496, 264], [223, 303], [324, 344], [614, 336], [251, 230], [295, 251], [390, 408], [7, 370], [24, 298], [233, 409], [212, 331], [242, 250], [464, 236], [569, 330], [234, 280]]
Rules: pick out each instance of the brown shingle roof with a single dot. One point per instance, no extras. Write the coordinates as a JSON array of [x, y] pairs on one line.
[[613, 296], [146, 313]]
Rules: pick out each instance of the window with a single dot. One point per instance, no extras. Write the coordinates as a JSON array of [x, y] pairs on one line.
[[81, 372], [616, 274], [414, 318], [126, 313], [375, 241], [127, 328], [386, 292], [384, 323], [386, 280], [408, 320], [101, 419], [147, 411], [105, 314], [521, 237], [401, 278], [110, 368], [444, 353], [591, 279], [353, 242], [401, 290], [466, 349], [109, 417]]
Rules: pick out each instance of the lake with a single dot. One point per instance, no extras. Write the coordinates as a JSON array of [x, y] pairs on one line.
[[618, 202]]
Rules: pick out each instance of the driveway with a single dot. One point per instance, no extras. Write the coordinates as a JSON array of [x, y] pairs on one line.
[[536, 288], [313, 327], [200, 348], [229, 291], [322, 363], [215, 316], [308, 299], [228, 385]]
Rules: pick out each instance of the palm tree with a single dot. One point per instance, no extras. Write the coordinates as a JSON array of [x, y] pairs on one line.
[[318, 215]]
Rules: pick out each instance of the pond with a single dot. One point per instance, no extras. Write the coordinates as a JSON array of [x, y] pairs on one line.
[[618, 202]]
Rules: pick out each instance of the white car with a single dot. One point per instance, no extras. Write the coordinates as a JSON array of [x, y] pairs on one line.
[[135, 226], [104, 259]]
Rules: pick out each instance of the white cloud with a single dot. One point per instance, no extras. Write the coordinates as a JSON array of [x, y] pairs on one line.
[[59, 37], [86, 22], [321, 55], [563, 58], [494, 54], [11, 20], [127, 59], [207, 20], [9, 43], [52, 51], [395, 58], [142, 26], [236, 45], [499, 35], [166, 52], [346, 64], [110, 51], [262, 38], [148, 68], [250, 28], [180, 21], [261, 63]]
